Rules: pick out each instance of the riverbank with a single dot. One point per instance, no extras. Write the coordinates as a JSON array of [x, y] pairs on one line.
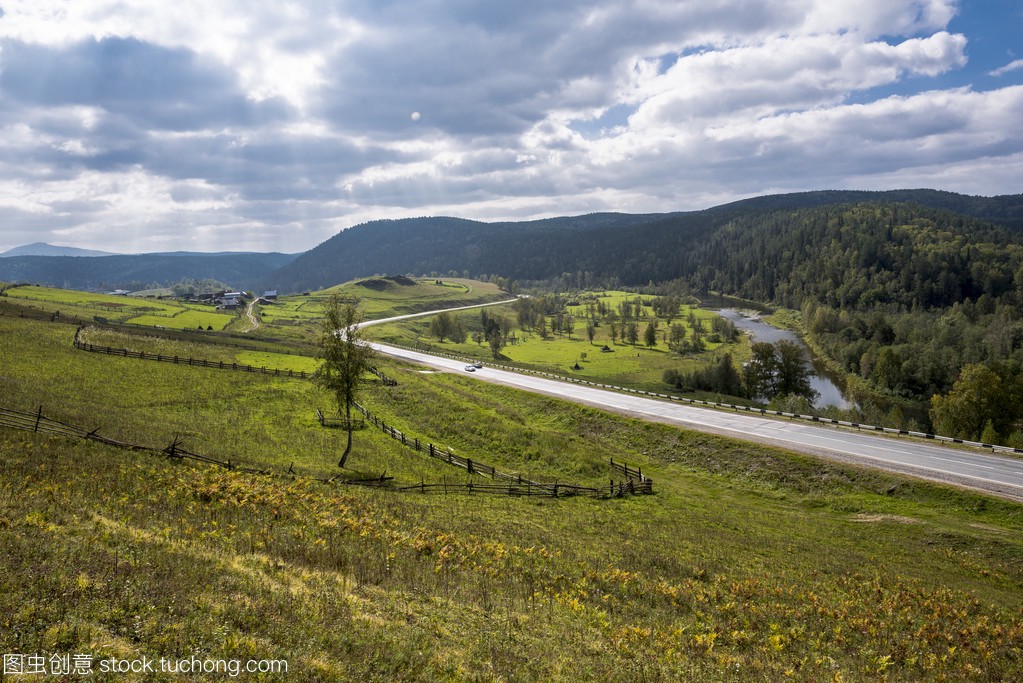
[[830, 386], [880, 408]]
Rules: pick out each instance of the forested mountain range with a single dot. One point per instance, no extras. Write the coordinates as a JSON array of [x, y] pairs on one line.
[[631, 249], [905, 248], [139, 271]]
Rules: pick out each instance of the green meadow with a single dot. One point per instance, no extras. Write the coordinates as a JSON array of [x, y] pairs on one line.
[[574, 355], [747, 562], [296, 316], [188, 319], [126, 309]]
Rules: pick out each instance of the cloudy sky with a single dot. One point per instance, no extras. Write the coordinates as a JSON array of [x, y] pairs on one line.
[[268, 125]]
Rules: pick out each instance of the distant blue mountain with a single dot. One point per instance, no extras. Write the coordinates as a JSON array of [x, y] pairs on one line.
[[140, 271], [44, 249]]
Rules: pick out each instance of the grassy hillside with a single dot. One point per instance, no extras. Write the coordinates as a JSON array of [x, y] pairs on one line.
[[296, 316], [748, 563], [124, 309]]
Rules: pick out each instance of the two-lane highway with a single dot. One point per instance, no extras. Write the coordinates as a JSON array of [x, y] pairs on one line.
[[999, 475]]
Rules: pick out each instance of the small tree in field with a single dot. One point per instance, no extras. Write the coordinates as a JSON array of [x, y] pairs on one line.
[[345, 358], [496, 344], [650, 335]]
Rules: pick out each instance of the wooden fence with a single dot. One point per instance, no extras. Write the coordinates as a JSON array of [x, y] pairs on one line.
[[337, 421], [637, 481], [39, 423], [994, 448], [14, 311], [516, 484], [387, 381], [180, 360]]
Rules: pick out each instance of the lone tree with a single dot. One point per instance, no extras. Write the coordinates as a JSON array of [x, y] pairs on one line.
[[650, 335], [345, 358], [496, 344]]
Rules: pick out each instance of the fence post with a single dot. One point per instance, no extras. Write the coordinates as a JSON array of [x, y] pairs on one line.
[[39, 416]]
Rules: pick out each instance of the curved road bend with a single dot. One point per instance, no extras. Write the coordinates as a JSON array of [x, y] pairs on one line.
[[1001, 476], [367, 323]]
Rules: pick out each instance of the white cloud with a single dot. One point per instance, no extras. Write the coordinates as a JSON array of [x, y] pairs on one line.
[[874, 18], [284, 121], [1014, 65]]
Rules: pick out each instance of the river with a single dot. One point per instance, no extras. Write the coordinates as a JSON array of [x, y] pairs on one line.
[[826, 385]]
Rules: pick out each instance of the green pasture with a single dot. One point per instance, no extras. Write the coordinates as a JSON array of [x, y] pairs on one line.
[[210, 410], [292, 308], [78, 303], [136, 310], [748, 563], [623, 364], [278, 361], [189, 318], [200, 349], [388, 298], [297, 316]]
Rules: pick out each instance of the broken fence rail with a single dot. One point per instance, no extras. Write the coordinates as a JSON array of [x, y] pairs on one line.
[[39, 423], [630, 472], [637, 482]]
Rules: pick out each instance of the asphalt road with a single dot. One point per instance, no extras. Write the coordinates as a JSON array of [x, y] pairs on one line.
[[995, 474]]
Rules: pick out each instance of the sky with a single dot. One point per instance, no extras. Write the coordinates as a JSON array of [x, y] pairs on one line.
[[138, 126]]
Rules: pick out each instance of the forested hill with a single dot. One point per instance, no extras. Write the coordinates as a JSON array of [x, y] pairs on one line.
[[530, 250], [859, 257], [1005, 210], [736, 248], [137, 271]]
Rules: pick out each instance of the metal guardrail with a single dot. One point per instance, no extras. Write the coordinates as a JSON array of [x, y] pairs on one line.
[[995, 448]]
